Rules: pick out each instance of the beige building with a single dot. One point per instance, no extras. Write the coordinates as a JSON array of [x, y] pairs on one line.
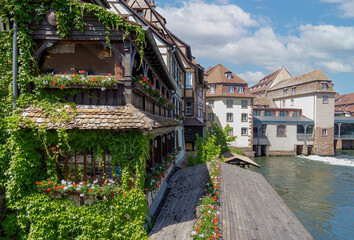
[[313, 94], [229, 102]]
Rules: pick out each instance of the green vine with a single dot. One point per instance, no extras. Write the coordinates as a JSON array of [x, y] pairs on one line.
[[24, 151]]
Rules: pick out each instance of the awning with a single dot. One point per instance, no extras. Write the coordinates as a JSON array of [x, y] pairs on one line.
[[233, 157]]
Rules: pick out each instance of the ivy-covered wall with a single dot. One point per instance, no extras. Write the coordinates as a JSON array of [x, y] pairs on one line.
[[24, 155]]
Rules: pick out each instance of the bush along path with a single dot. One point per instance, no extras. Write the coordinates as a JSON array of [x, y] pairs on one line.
[[207, 227]]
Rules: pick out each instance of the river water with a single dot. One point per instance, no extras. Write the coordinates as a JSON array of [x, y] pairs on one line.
[[319, 190]]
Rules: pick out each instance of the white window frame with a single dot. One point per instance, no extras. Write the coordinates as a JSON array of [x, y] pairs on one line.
[[324, 132], [212, 89], [211, 103], [325, 99], [228, 105], [189, 78], [231, 89], [229, 117], [244, 104], [244, 117], [244, 131], [211, 117], [240, 89]]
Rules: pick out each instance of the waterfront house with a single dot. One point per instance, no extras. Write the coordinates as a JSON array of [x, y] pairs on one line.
[[344, 122], [193, 92], [117, 90], [311, 93], [229, 102]]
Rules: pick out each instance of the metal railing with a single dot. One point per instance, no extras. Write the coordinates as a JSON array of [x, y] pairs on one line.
[[302, 136], [344, 136]]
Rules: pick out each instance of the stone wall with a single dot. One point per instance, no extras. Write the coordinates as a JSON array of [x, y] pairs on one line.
[[324, 144], [281, 153]]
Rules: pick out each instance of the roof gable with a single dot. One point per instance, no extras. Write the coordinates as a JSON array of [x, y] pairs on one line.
[[217, 75], [316, 75]]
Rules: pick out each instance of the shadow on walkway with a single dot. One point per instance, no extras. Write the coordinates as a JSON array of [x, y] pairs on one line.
[[178, 214]]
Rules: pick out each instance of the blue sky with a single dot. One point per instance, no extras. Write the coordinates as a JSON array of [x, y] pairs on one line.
[[255, 37]]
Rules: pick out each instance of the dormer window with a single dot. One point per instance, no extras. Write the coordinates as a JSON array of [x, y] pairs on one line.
[[324, 86], [228, 75]]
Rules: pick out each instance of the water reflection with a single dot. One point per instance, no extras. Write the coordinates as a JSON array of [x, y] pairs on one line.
[[319, 194]]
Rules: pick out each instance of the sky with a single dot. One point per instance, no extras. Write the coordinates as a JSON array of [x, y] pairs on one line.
[[253, 38]]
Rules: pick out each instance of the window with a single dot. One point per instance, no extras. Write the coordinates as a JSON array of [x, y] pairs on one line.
[[189, 80], [244, 103], [268, 113], [229, 117], [228, 75], [285, 92], [243, 131], [324, 86], [189, 108], [325, 99], [244, 117], [293, 90], [140, 12], [212, 89], [231, 89], [281, 131], [296, 114], [283, 113], [324, 132], [240, 89], [283, 103], [229, 103], [292, 102], [211, 103], [231, 132], [257, 113], [211, 116]]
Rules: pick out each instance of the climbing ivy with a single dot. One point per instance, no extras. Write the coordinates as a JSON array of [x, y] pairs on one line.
[[24, 155]]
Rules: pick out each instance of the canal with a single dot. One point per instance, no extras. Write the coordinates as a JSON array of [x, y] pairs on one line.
[[319, 190]]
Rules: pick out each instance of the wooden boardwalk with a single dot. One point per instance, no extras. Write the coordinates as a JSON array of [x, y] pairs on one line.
[[178, 214], [251, 209]]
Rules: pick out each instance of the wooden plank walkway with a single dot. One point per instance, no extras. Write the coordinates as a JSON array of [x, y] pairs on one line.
[[178, 214], [251, 209]]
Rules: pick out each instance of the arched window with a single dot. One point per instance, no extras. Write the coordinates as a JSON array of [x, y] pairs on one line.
[[281, 131]]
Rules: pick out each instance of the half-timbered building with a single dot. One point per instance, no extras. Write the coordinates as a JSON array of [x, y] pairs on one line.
[[142, 92]]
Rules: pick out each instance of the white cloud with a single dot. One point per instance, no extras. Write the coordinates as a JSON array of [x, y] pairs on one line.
[[346, 7], [226, 33], [251, 77]]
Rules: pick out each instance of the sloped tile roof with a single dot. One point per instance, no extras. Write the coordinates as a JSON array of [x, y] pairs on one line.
[[265, 82], [101, 117], [345, 99], [264, 101], [301, 79], [217, 75]]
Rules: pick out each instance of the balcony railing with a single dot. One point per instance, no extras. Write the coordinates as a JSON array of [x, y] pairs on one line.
[[309, 136], [344, 136]]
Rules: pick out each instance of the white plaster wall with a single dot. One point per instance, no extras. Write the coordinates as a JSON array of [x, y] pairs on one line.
[[306, 103], [220, 112], [283, 143], [324, 111]]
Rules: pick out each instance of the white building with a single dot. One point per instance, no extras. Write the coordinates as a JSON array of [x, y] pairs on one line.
[[230, 103]]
